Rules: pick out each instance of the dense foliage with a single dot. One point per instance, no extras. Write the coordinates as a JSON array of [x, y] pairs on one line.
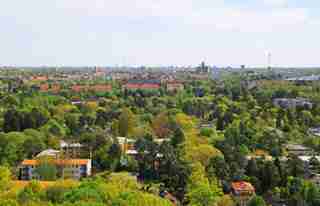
[[212, 128]]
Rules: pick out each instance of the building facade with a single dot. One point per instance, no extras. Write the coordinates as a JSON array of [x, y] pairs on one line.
[[66, 168]]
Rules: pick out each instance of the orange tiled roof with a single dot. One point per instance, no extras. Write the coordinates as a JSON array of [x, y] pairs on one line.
[[242, 186], [59, 162]]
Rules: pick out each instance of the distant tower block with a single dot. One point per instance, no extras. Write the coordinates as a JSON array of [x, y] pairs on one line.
[[269, 60]]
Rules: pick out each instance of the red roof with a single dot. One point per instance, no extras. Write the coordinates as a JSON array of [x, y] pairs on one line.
[[58, 162], [242, 186]]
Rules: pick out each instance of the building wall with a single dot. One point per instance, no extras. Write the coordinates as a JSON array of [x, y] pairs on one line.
[[69, 171]]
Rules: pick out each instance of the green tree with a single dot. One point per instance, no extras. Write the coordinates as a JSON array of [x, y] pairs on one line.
[[5, 177], [295, 167], [32, 192], [126, 122], [200, 191], [161, 125], [46, 170], [177, 137], [13, 120], [257, 201], [34, 143], [218, 168]]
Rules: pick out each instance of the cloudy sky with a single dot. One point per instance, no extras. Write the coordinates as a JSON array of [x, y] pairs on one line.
[[159, 32]]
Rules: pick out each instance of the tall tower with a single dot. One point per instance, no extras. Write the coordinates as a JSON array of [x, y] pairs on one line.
[[269, 60]]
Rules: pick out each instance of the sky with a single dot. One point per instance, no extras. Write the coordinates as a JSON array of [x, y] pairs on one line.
[[159, 32]]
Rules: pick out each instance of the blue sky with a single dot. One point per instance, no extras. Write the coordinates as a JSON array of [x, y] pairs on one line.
[[159, 32]]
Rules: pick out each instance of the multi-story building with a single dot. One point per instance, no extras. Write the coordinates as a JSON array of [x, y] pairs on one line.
[[66, 168]]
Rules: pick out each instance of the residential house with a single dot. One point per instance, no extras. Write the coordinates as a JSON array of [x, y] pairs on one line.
[[242, 192]]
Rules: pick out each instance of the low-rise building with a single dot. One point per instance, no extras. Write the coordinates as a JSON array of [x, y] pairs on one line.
[[242, 192]]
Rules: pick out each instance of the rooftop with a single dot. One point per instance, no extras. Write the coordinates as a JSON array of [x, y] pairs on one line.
[[58, 162], [48, 152], [242, 186]]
